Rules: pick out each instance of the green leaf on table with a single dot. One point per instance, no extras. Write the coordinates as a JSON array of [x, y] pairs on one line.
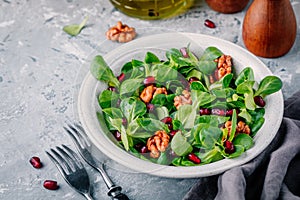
[[74, 29]]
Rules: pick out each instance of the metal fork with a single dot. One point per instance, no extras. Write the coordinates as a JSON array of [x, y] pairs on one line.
[[84, 146], [71, 169]]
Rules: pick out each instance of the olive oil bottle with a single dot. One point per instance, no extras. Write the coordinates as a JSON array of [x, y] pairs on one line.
[[152, 9]]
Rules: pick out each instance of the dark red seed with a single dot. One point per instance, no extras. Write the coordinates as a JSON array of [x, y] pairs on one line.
[[149, 80], [184, 52], [111, 88], [204, 111], [259, 101], [193, 79], [210, 24], [194, 158], [121, 77], [144, 149], [218, 111], [124, 121], [117, 135], [150, 107], [229, 147], [50, 185], [229, 112], [167, 120], [173, 132], [35, 162]]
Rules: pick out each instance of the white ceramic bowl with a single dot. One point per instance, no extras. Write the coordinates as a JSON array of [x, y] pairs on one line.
[[158, 44]]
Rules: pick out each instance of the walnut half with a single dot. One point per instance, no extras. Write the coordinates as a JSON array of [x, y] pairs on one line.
[[183, 99], [121, 33], [158, 143]]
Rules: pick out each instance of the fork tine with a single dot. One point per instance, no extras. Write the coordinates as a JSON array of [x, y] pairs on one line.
[[71, 134], [70, 159], [61, 161], [57, 164], [79, 132], [75, 156]]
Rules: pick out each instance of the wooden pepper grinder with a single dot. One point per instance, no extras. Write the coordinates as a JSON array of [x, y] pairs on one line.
[[269, 28]]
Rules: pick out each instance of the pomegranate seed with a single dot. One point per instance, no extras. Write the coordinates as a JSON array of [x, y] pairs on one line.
[[259, 101], [121, 77], [229, 112], [210, 24], [217, 111], [204, 111], [111, 88], [184, 52], [229, 147], [144, 149], [167, 120], [194, 158], [149, 80], [173, 132], [150, 107], [117, 135], [193, 79], [124, 121], [35, 162], [50, 185]]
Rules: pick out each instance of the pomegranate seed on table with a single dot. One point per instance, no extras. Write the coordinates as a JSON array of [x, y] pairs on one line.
[[194, 158], [210, 24], [259, 101], [35, 162], [50, 185]]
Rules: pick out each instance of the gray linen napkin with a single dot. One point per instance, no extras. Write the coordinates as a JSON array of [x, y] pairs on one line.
[[274, 174]]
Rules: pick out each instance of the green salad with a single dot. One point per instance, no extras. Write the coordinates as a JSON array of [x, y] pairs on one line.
[[184, 110]]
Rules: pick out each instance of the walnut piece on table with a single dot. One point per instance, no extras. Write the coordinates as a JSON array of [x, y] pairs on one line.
[[121, 33]]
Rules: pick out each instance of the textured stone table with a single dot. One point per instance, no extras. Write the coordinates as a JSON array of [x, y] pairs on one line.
[[40, 66]]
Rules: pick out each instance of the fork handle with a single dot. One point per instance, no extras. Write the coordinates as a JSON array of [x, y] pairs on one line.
[[120, 196], [114, 191], [105, 177]]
